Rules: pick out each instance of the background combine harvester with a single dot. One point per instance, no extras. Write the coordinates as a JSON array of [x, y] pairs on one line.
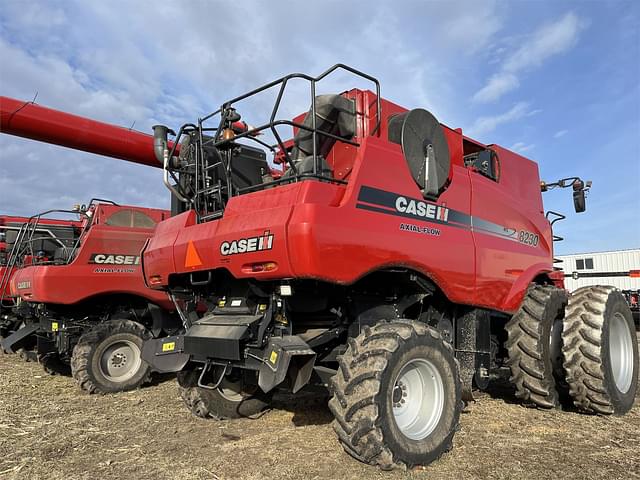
[[48, 236], [396, 261], [83, 296]]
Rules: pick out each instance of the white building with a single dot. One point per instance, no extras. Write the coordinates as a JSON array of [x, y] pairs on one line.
[[619, 268]]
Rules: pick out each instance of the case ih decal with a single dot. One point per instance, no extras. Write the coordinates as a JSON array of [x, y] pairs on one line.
[[114, 259], [114, 270], [422, 209], [381, 201], [410, 227], [249, 244], [391, 203]]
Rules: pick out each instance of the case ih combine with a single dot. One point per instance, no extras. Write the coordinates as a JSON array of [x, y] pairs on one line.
[[87, 302], [394, 260], [46, 238], [80, 291]]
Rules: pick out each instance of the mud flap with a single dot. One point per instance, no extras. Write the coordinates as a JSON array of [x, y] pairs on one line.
[[286, 355], [13, 341], [165, 355]]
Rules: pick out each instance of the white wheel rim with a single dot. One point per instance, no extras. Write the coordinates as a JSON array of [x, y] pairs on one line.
[[417, 399], [621, 352], [120, 361]]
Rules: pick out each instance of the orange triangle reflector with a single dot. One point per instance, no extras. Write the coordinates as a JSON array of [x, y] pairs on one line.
[[192, 259]]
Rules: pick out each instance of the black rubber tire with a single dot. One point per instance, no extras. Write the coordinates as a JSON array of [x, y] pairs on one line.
[[206, 403], [363, 387], [51, 363], [537, 374], [586, 350], [85, 366]]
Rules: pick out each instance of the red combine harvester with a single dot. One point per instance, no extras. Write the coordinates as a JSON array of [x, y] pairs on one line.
[[395, 261], [50, 235], [83, 296]]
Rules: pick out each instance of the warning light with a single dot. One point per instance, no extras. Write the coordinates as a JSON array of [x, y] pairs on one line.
[[260, 267]]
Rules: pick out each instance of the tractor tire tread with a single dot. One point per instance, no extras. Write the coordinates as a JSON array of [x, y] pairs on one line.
[[357, 383], [81, 356], [530, 374], [583, 349]]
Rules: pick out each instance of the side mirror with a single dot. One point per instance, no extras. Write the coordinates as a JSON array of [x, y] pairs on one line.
[[579, 189], [579, 202]]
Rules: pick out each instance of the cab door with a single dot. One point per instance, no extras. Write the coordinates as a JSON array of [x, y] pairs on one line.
[[507, 225]]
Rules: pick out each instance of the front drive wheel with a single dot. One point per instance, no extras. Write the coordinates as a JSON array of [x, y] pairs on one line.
[[108, 357], [397, 395], [232, 399], [600, 351]]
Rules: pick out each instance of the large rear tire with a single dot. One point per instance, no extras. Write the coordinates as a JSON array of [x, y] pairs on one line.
[[108, 358], [397, 395], [534, 346], [600, 350], [232, 399]]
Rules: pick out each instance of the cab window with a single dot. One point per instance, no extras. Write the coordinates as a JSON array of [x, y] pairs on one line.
[[131, 219]]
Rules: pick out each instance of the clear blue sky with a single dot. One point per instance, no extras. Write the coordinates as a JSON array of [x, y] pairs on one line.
[[557, 81]]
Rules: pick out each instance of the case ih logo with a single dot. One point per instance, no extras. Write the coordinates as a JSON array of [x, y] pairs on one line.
[[23, 285], [114, 259], [390, 203], [250, 244], [422, 209]]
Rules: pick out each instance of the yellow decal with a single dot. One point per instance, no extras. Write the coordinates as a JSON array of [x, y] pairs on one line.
[[54, 326], [274, 357], [262, 307], [169, 346]]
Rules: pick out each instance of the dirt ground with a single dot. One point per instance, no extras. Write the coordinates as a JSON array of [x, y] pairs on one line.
[[49, 429]]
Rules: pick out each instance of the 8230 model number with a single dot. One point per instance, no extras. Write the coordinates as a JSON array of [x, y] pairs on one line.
[[528, 238]]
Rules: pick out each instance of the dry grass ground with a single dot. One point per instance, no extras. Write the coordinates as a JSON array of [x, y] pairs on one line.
[[51, 430]]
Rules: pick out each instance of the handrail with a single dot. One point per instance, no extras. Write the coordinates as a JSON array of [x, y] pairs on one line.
[[208, 185]]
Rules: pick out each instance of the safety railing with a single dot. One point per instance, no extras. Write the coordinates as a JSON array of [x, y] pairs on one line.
[[206, 189]]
